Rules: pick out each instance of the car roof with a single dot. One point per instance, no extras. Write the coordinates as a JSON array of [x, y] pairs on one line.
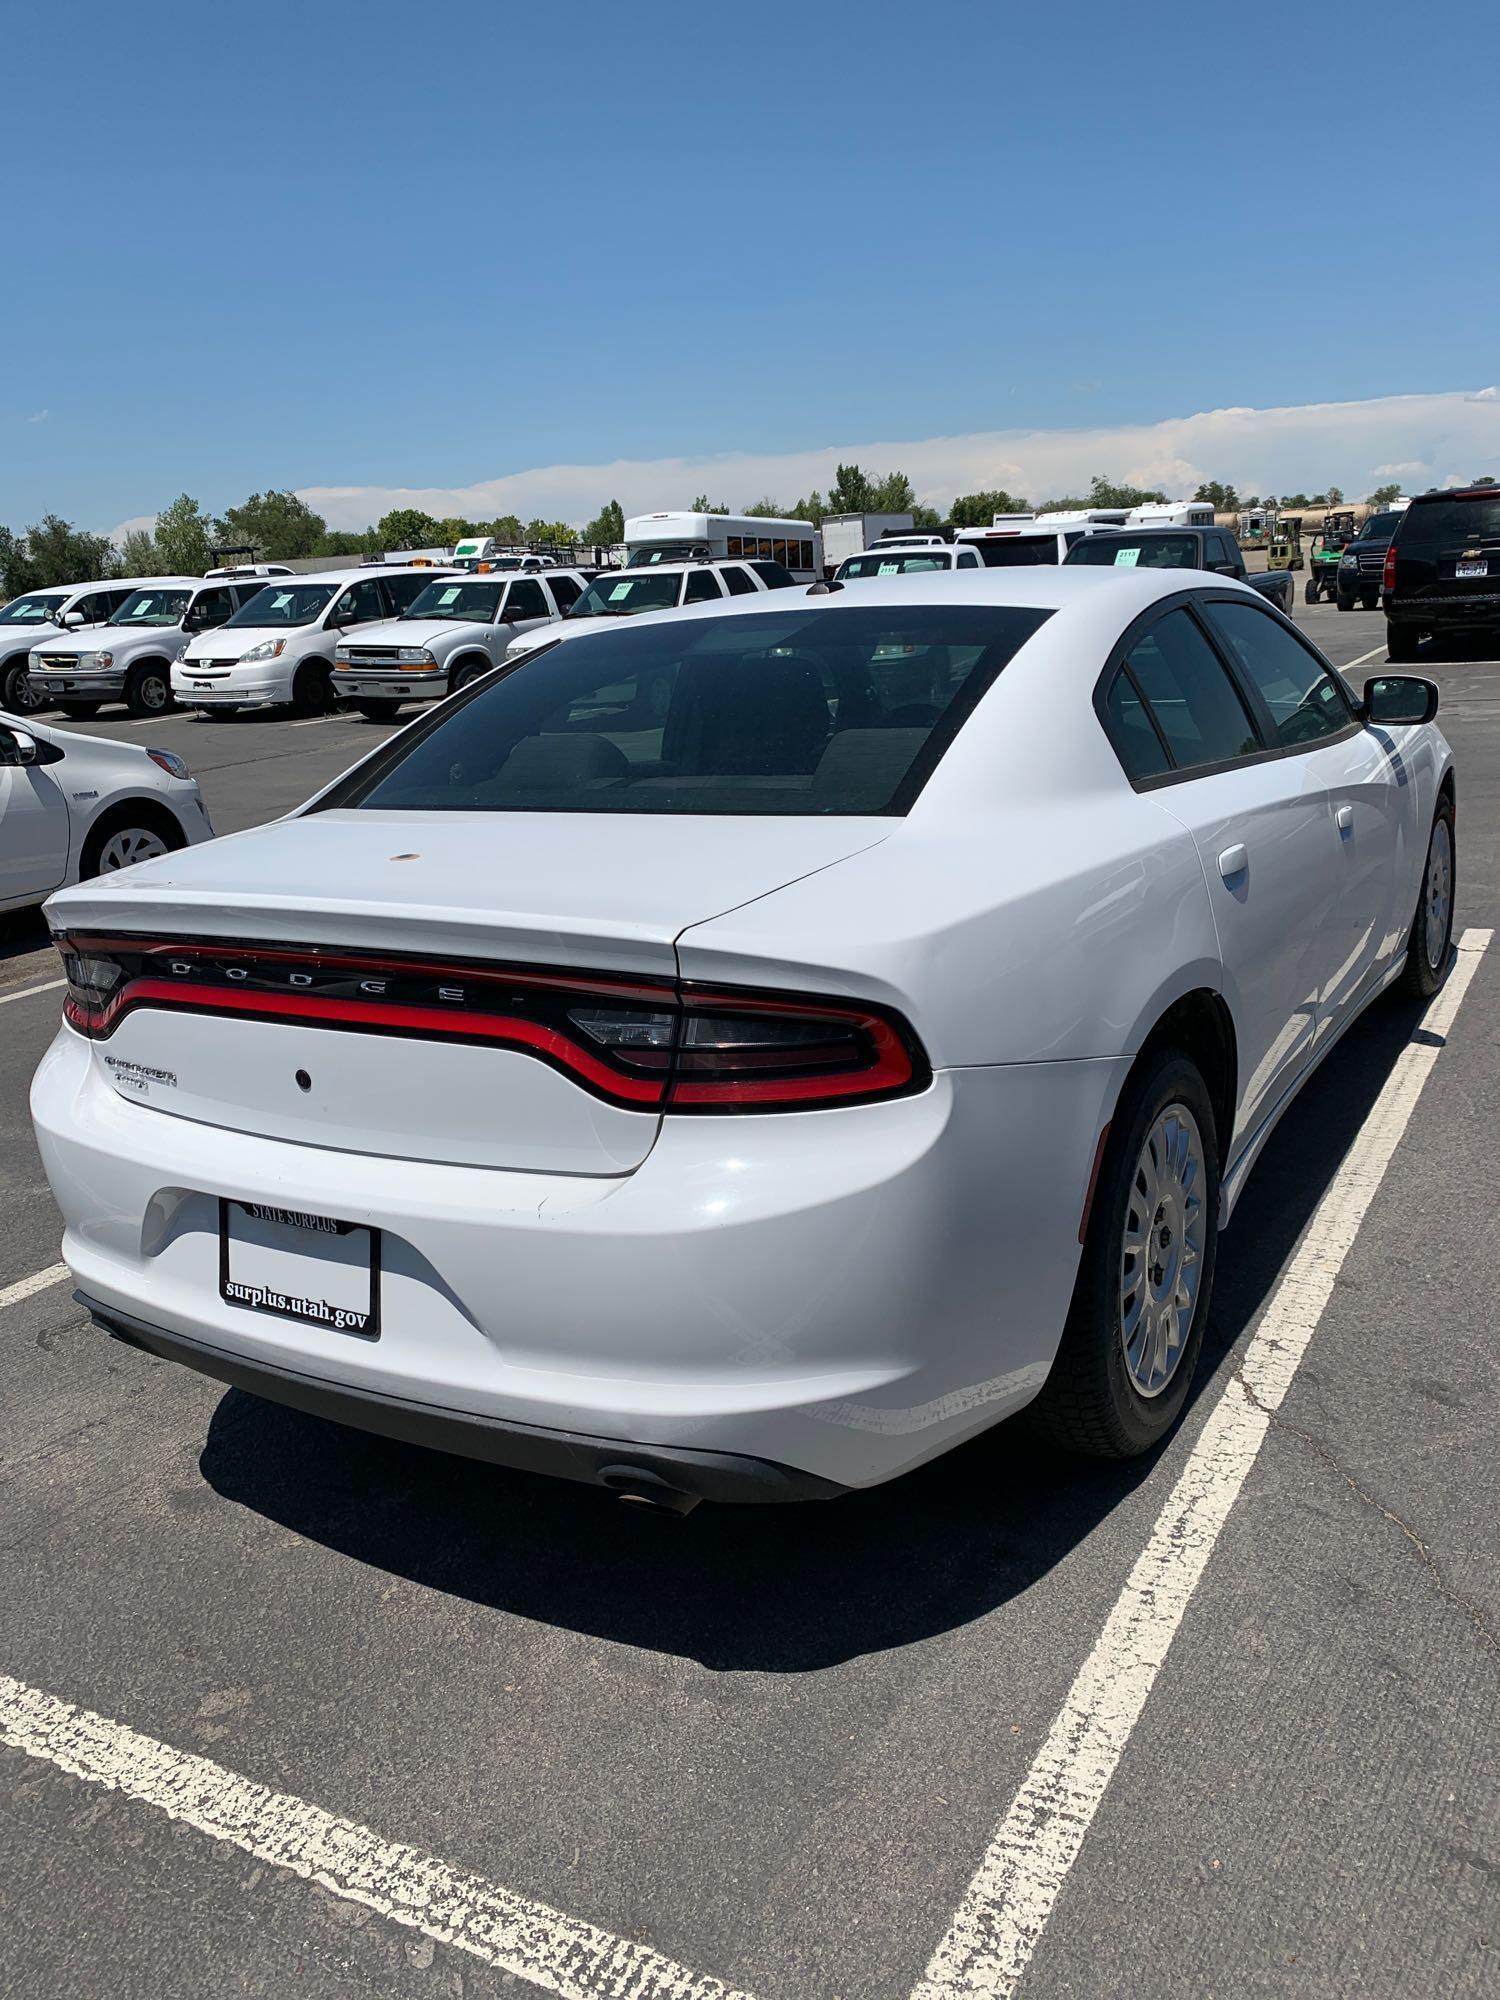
[[158, 582], [1455, 493], [354, 575]]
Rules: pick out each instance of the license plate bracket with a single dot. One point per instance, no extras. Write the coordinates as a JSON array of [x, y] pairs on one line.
[[316, 1270], [1471, 569]]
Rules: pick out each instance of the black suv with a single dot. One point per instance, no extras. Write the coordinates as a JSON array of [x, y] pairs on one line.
[[1442, 571], [1362, 564]]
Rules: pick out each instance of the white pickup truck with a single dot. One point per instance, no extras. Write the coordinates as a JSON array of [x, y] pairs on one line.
[[458, 628]]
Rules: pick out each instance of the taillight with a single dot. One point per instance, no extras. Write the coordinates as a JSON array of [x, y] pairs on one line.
[[645, 1047], [1388, 575]]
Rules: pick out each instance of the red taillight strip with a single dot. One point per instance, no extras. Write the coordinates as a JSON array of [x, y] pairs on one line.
[[315, 1010]]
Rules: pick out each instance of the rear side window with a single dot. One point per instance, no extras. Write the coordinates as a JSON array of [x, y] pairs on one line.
[[741, 582], [774, 575], [1132, 731], [1192, 700], [565, 591], [799, 710], [1304, 699], [403, 590], [526, 600], [702, 586]]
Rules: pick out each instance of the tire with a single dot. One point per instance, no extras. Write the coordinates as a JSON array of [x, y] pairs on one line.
[[1310, 590], [149, 690], [465, 672], [378, 711], [127, 834], [312, 690], [1094, 1400], [1431, 933], [80, 711], [1369, 603], [17, 695], [1344, 603], [1400, 642]]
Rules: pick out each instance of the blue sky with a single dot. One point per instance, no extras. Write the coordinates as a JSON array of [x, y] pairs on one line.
[[378, 247]]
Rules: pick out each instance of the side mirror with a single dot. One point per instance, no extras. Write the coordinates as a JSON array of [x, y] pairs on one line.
[[1400, 698], [24, 745], [71, 620]]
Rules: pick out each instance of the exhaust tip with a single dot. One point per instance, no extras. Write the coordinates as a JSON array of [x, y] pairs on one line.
[[636, 1486]]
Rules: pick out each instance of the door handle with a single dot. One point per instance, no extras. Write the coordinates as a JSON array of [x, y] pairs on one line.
[[1344, 818], [1233, 861]]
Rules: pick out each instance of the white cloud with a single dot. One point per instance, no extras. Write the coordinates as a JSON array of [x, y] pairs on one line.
[[145, 522], [38, 416], [1303, 447], [1401, 468]]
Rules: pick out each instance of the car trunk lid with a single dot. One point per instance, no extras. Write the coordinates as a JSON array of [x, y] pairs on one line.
[[420, 1002]]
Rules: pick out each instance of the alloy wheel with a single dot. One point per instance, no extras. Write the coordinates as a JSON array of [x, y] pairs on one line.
[[1437, 895], [1161, 1254]]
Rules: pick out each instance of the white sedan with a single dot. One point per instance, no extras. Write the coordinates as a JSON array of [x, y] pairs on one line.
[[747, 1054], [73, 806]]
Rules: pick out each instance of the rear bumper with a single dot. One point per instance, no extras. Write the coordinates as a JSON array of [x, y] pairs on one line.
[[842, 1294], [596, 1461], [1438, 614]]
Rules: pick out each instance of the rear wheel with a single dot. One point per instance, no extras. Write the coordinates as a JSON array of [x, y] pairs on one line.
[[1432, 926], [1310, 590], [150, 689], [17, 695], [1400, 641], [1135, 1327], [379, 711], [80, 711], [312, 690]]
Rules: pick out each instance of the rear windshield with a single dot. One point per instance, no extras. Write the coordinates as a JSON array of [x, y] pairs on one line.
[[283, 604], [1450, 524], [840, 710], [1017, 551], [1137, 551], [892, 562]]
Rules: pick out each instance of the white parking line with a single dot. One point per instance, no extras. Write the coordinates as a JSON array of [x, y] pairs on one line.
[[1002, 1917], [313, 721], [47, 986], [39, 1281], [556, 1953], [1374, 653]]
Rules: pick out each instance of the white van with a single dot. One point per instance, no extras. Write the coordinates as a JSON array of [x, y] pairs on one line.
[[130, 659], [37, 617], [1172, 514], [278, 651], [678, 537], [451, 633], [1031, 542]]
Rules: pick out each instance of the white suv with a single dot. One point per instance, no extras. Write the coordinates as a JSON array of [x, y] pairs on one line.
[[278, 651], [627, 593], [457, 629], [130, 659], [37, 617]]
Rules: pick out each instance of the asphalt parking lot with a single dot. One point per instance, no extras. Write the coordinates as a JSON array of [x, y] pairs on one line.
[[287, 1710]]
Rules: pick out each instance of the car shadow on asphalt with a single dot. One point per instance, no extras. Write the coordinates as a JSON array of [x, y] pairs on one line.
[[778, 1589]]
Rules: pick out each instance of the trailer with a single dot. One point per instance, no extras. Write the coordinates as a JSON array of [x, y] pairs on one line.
[[847, 535]]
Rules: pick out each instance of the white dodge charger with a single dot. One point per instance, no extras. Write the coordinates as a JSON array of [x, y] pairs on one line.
[[747, 1054]]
